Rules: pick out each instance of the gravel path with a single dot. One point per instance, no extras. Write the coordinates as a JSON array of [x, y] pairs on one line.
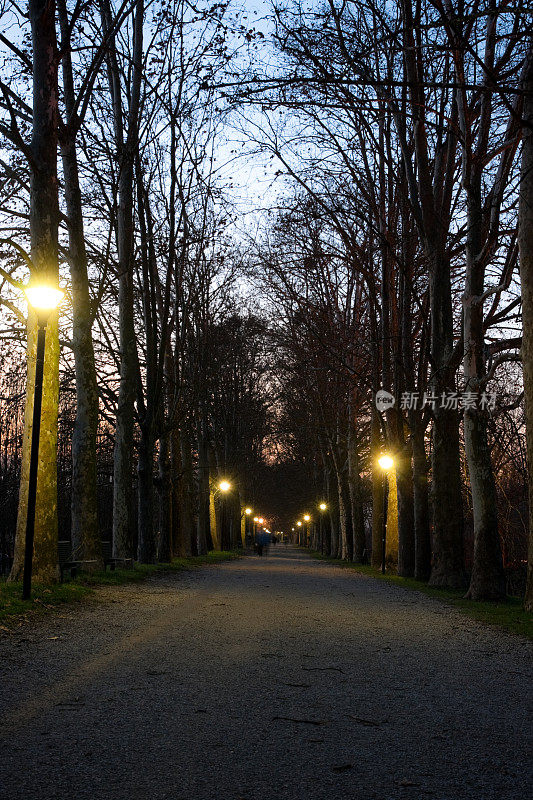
[[264, 679]]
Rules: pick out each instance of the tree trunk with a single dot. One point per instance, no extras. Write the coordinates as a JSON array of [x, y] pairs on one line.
[[327, 541], [378, 488], [334, 531], [406, 522], [236, 527], [204, 533], [431, 202], [354, 482], [189, 531], [223, 521], [391, 539], [145, 473], [358, 520], [448, 556], [86, 543], [525, 240], [44, 217], [404, 378], [123, 453], [420, 504], [345, 521], [181, 546], [488, 578], [164, 543]]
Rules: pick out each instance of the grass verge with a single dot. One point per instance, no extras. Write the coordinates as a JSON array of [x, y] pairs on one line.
[[48, 597], [508, 614]]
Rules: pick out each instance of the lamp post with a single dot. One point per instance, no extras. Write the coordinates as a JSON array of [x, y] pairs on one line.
[[247, 512], [323, 507], [386, 463], [225, 534], [307, 519], [299, 525], [43, 299]]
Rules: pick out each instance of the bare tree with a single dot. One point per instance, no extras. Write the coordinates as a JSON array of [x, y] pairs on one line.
[[41, 154], [525, 239]]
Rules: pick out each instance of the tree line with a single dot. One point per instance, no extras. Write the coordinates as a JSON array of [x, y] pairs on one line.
[[396, 258], [110, 171]]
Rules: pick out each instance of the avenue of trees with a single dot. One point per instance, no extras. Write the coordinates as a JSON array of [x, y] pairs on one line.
[[394, 253], [109, 172], [396, 260]]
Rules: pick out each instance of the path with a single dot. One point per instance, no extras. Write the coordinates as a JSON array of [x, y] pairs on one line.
[[264, 679]]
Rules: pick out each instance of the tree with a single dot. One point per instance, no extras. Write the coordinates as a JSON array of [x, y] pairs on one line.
[[41, 154], [525, 239]]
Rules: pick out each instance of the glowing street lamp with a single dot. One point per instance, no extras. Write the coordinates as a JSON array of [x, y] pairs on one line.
[[298, 532], [386, 462], [43, 300], [322, 507], [247, 512], [224, 486], [307, 519]]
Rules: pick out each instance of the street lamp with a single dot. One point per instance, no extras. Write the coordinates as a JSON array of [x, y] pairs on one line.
[[386, 463], [247, 512], [226, 526], [323, 507], [306, 530], [299, 525], [43, 300]]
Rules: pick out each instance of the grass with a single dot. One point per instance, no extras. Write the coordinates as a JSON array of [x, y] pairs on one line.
[[508, 614], [49, 597]]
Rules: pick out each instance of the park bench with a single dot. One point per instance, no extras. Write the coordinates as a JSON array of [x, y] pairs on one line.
[[110, 561], [66, 562]]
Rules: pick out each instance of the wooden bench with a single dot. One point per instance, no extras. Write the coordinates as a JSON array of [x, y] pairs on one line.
[[110, 561], [66, 562]]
